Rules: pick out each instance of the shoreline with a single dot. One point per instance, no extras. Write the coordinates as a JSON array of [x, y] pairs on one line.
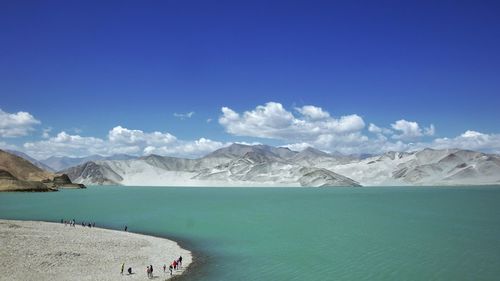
[[40, 250]]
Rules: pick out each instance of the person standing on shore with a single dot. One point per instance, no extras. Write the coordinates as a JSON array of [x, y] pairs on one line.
[[151, 270], [123, 267], [164, 268], [170, 269]]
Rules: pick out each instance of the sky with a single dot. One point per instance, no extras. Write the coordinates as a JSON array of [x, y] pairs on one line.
[[183, 78]]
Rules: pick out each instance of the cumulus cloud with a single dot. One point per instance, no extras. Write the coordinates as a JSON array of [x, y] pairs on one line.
[[120, 140], [183, 116], [275, 122], [470, 140], [409, 130], [64, 144], [16, 124], [314, 126], [372, 128], [313, 112], [194, 148], [123, 136], [298, 129]]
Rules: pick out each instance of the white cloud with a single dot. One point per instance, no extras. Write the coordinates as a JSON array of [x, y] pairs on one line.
[[409, 130], [472, 134], [273, 121], [471, 140], [430, 131], [372, 128], [302, 127], [313, 112], [119, 135], [298, 146], [120, 140], [64, 144], [191, 149], [16, 124], [183, 116]]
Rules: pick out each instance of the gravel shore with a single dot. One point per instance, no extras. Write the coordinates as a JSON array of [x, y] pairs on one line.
[[42, 251]]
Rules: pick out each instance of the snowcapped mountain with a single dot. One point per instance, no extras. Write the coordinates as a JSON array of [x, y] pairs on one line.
[[262, 165]]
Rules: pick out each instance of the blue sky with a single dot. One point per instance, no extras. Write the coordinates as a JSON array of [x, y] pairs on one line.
[[86, 67]]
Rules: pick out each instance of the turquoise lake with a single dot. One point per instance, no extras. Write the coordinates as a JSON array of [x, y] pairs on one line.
[[397, 233]]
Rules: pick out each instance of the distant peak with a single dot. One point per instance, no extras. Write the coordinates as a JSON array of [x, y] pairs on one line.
[[311, 149], [234, 144]]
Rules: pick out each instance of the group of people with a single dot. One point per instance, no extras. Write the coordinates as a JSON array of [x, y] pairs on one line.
[[73, 223], [175, 265], [70, 222]]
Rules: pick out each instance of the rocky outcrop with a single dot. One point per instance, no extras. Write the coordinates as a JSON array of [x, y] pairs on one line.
[[10, 183], [63, 181]]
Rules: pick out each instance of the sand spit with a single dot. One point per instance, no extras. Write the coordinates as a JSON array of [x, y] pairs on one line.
[[31, 250]]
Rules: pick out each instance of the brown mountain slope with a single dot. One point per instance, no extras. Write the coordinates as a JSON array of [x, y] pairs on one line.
[[18, 174], [22, 169]]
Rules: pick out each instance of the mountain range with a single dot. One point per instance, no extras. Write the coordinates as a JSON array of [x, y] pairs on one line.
[[262, 165]]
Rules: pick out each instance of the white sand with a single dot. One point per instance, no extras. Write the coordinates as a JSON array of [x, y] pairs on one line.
[[51, 251]]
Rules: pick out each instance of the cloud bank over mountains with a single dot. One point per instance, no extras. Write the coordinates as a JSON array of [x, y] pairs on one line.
[[296, 128], [120, 141]]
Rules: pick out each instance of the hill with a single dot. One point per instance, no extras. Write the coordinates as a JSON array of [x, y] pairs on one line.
[[19, 174]]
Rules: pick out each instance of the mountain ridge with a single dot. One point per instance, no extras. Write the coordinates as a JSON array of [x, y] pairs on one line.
[[262, 165]]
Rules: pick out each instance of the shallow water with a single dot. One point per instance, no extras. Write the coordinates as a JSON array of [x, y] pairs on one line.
[[422, 233]]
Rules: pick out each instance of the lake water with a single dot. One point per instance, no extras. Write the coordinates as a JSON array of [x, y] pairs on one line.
[[298, 233]]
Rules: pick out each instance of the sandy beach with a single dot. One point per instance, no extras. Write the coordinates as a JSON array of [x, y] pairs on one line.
[[31, 250]]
